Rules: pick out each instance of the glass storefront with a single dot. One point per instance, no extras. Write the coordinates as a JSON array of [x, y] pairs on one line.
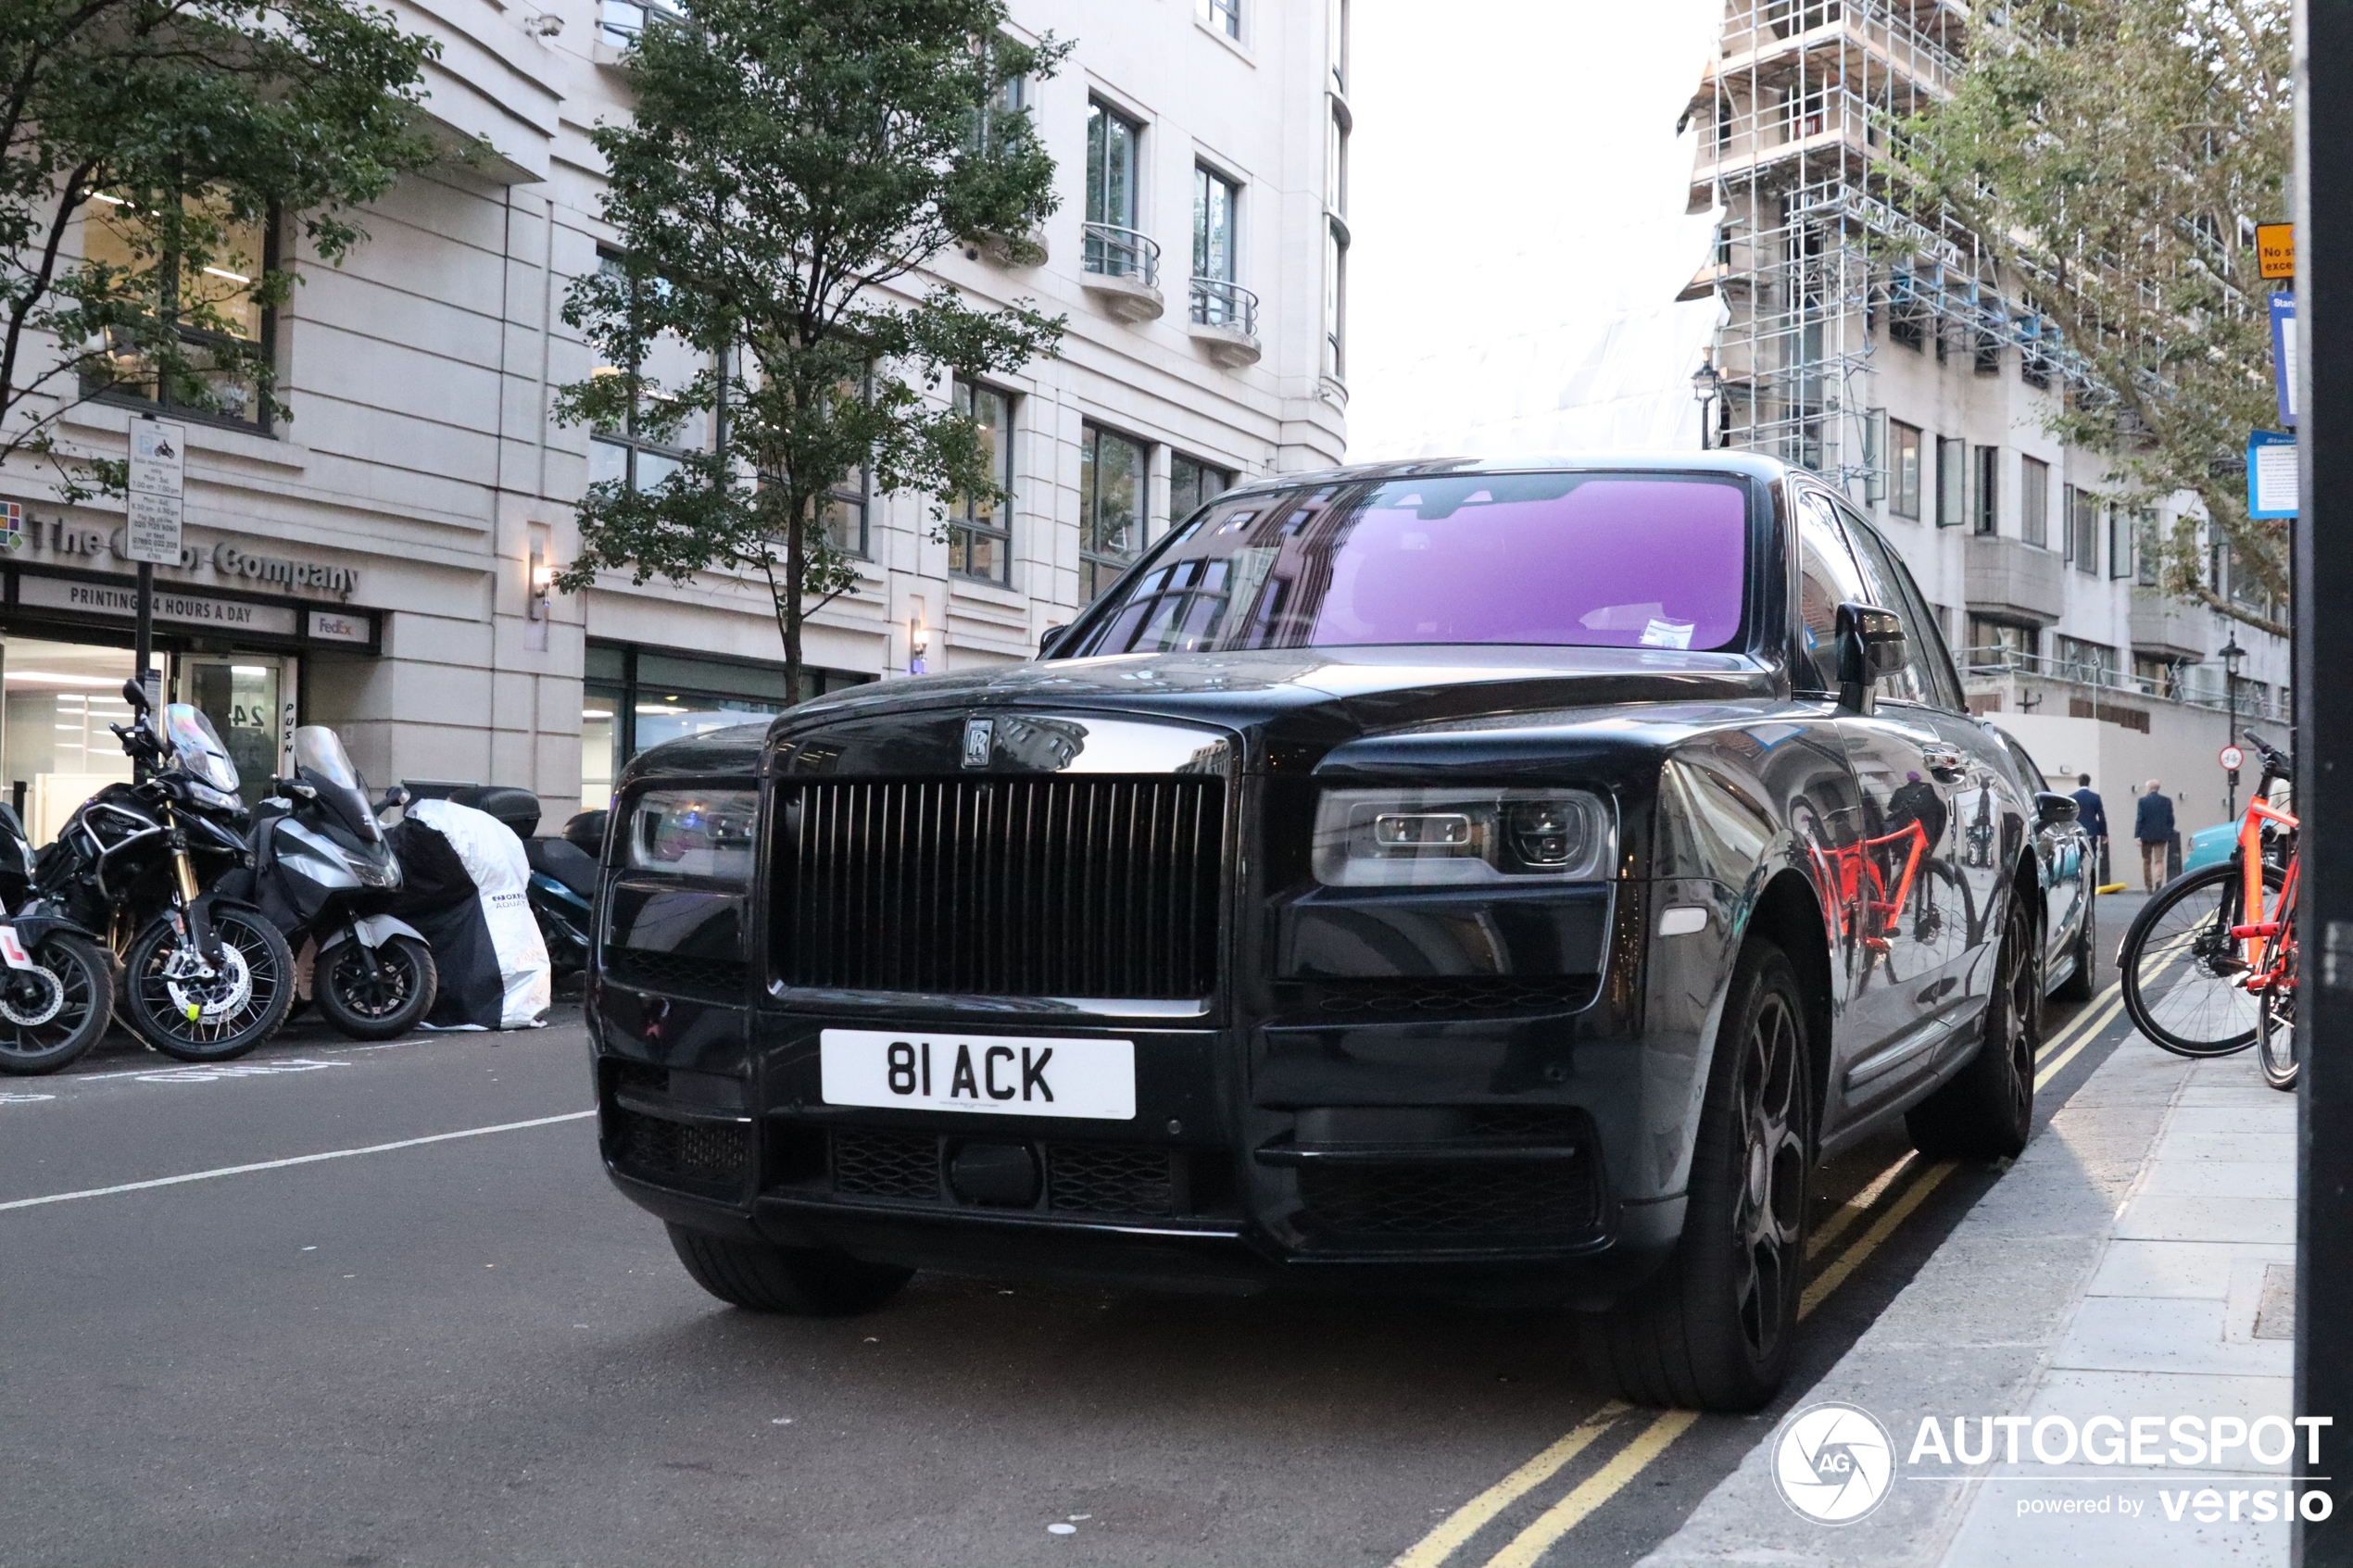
[[635, 697], [55, 750]]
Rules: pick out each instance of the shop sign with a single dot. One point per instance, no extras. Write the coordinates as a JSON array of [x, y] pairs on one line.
[[337, 626], [107, 598], [58, 537]]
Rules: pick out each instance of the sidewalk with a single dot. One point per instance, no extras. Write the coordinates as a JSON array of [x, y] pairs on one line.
[[2137, 1260]]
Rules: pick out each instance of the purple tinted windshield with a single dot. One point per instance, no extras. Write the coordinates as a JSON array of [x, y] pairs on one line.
[[1556, 560]]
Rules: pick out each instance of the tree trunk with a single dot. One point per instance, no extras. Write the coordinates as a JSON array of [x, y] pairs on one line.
[[796, 573]]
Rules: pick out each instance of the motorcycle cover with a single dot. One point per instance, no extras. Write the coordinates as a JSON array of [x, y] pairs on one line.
[[464, 883]]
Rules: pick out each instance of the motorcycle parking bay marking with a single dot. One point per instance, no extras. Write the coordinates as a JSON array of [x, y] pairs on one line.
[[207, 1075]]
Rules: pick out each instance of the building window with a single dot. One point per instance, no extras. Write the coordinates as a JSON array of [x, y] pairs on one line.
[[2083, 530], [620, 24], [1114, 247], [997, 124], [2000, 645], [2035, 501], [1903, 456], [1217, 300], [1986, 484], [1193, 484], [1223, 16], [1110, 512], [2092, 663], [980, 535], [1336, 43], [633, 697], [1952, 483], [637, 454], [1335, 301], [2151, 555], [228, 322], [2120, 541]]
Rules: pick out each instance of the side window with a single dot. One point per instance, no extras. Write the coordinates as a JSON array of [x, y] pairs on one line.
[[1917, 681], [1826, 579], [2033, 775]]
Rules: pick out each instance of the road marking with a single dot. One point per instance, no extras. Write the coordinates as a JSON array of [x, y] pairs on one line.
[[1817, 1289], [297, 1160], [1858, 1205], [1475, 1515], [210, 1072], [2056, 1064], [2112, 998], [1531, 1544]]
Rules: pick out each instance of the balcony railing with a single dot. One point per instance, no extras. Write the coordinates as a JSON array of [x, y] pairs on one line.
[[2207, 691], [1221, 302], [1115, 252]]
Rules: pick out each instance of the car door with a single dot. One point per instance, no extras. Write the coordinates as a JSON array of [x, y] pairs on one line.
[[2059, 853], [1905, 940], [1969, 872]]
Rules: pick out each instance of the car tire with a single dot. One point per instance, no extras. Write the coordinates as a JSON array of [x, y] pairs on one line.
[[803, 1282], [2084, 982], [1713, 1329], [1987, 1109]]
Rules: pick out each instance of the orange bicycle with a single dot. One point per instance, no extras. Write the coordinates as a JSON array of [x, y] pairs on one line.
[[2209, 966]]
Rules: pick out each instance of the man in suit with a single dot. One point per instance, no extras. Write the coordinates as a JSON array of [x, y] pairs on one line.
[[2153, 825], [2094, 816]]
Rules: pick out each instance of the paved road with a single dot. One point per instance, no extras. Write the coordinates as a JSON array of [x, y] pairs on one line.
[[470, 1350]]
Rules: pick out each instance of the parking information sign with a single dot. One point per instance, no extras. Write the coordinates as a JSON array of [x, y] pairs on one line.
[[158, 476]]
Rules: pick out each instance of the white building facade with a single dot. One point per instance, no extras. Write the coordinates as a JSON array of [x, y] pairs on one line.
[[1889, 353], [377, 562]]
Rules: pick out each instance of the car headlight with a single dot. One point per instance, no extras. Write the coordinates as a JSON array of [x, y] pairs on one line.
[[693, 832], [1460, 837]]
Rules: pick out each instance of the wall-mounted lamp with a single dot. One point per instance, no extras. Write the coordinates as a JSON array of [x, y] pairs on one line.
[[544, 25], [543, 585], [918, 644]]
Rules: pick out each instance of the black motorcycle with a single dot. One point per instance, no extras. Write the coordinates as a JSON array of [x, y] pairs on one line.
[[206, 975], [324, 875], [56, 983]]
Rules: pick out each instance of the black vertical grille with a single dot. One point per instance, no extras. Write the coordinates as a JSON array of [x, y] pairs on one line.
[[1000, 886]]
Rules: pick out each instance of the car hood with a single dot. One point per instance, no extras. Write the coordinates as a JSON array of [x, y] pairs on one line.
[[1285, 699]]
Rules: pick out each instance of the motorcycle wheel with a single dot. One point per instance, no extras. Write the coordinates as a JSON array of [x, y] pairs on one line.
[[50, 1015], [235, 1010], [374, 1001]]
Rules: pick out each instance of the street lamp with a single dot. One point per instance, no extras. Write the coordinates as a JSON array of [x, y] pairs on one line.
[[1705, 382], [2231, 653]]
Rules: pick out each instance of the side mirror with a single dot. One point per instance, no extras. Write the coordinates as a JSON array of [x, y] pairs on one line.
[[135, 694], [1871, 646], [2053, 810], [1050, 640]]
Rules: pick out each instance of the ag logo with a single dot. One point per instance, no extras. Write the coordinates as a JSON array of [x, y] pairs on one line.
[[1833, 1463], [980, 737]]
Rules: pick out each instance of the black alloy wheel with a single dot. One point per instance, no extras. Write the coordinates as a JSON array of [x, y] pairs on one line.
[[50, 1015], [1986, 1110], [1714, 1328], [375, 994], [184, 1012]]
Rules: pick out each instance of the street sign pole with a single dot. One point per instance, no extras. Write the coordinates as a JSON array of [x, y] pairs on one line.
[[152, 522], [2324, 576]]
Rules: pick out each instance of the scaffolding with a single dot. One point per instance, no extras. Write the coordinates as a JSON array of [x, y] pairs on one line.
[[1823, 246]]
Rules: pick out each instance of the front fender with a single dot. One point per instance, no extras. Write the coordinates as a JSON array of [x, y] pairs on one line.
[[374, 931]]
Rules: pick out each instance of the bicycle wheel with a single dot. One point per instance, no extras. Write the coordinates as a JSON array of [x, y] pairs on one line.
[[2182, 975], [2275, 1019]]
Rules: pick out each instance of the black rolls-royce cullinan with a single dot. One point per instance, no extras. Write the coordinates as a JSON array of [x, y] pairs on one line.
[[1504, 879]]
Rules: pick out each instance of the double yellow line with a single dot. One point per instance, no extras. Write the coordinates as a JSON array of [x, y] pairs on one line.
[[1529, 1547]]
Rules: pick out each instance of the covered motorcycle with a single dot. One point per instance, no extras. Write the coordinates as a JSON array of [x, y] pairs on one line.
[[464, 884]]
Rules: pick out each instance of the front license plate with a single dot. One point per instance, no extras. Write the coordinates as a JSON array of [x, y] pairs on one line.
[[1009, 1074]]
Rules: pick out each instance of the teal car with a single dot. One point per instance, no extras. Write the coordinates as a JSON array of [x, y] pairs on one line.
[[2209, 846]]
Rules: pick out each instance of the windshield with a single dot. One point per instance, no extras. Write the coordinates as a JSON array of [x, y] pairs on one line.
[[1560, 560], [196, 747], [318, 749]]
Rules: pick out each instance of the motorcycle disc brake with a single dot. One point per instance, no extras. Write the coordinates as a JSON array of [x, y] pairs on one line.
[[44, 987]]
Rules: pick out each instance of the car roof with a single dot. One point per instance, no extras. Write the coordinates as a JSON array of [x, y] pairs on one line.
[[1748, 464]]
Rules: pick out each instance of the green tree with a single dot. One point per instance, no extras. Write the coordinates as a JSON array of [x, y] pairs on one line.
[[157, 139], [788, 162], [2116, 153]]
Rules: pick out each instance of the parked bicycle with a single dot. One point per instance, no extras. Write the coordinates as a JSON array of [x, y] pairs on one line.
[[2209, 965]]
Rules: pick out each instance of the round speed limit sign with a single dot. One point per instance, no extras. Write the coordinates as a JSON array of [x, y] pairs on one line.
[[2231, 758]]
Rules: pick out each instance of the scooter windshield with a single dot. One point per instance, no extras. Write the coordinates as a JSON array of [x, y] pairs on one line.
[[195, 746], [321, 762]]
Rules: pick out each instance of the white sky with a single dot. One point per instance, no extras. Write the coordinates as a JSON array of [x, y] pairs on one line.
[[1515, 204]]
